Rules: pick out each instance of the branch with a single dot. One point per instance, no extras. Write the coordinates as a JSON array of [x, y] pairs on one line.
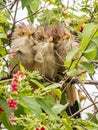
[[76, 80], [38, 11], [12, 5], [82, 110]]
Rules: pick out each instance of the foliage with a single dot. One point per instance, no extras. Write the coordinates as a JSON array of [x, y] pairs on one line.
[[23, 108]]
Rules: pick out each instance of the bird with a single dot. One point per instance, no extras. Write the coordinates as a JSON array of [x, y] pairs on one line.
[[43, 49], [32, 51], [64, 42], [21, 44]]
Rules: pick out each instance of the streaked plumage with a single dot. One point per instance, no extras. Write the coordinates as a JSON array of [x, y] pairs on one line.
[[43, 49]]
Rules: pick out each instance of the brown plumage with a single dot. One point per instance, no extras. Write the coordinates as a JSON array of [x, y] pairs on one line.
[[43, 49], [64, 42], [44, 33], [33, 52], [22, 44]]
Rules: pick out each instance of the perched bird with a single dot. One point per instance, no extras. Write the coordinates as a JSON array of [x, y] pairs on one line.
[[43, 49], [22, 44], [44, 33], [64, 42], [34, 50]]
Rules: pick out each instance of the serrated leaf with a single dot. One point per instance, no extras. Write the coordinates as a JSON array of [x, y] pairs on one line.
[[71, 54], [88, 67]]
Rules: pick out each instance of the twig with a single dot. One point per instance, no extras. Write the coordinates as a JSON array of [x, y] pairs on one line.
[[38, 11], [93, 115], [12, 5], [90, 98], [82, 110], [13, 26], [75, 80], [7, 10]]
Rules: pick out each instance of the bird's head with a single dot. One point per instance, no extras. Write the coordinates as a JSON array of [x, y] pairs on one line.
[[60, 33], [24, 30]]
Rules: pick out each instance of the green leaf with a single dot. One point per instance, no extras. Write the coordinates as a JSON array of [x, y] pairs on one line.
[[1, 29], [37, 83], [2, 51], [67, 64], [65, 115], [71, 54], [95, 40], [31, 104], [29, 13], [58, 108], [72, 72], [66, 124], [6, 123], [91, 51], [50, 100], [25, 3], [87, 35], [87, 124], [5, 114], [88, 67], [92, 46], [4, 105], [57, 92], [34, 5], [55, 85], [44, 106], [91, 55], [3, 35]]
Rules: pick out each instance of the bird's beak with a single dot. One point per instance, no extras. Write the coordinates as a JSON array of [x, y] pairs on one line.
[[67, 36], [50, 39], [29, 33]]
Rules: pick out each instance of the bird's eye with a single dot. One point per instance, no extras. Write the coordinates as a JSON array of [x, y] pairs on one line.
[[23, 33], [32, 34], [19, 52]]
